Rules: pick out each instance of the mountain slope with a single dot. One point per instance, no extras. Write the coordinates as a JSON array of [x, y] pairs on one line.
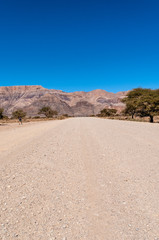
[[31, 98]]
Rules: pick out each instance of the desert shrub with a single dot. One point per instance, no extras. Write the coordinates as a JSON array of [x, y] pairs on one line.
[[108, 112], [19, 113], [1, 113], [65, 115], [5, 117], [47, 111], [61, 117]]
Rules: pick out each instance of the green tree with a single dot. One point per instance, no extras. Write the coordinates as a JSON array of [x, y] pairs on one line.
[[19, 113], [108, 112], [48, 112], [148, 104], [1, 113], [142, 102], [131, 101]]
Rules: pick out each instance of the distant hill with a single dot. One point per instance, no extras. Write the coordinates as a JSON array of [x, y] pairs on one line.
[[31, 98]]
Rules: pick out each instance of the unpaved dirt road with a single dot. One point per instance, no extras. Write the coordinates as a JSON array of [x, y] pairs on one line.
[[81, 178]]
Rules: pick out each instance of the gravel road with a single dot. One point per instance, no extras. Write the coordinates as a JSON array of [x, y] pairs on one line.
[[81, 178]]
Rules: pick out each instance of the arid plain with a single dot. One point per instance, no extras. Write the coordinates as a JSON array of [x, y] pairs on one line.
[[79, 178]]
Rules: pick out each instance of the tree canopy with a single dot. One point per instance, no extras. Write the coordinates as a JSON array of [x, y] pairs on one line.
[[142, 102], [48, 111]]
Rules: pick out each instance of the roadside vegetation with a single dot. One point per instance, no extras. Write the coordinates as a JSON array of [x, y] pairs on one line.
[[45, 113], [48, 112], [140, 104], [108, 112], [19, 113], [1, 113]]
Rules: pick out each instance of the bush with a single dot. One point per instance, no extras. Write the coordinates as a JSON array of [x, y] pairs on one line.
[[19, 113], [1, 113], [47, 111], [65, 115], [5, 117], [108, 112]]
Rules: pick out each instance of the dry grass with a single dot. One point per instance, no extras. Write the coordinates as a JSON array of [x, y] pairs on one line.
[[135, 119], [26, 120]]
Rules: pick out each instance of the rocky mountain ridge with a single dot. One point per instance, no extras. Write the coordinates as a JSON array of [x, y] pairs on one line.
[[31, 98]]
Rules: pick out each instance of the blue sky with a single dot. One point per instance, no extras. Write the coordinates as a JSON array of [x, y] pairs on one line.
[[77, 45]]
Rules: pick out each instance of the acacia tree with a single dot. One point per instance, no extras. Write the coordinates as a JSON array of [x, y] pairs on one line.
[[131, 101], [148, 105], [47, 111], [142, 102], [1, 113], [19, 113]]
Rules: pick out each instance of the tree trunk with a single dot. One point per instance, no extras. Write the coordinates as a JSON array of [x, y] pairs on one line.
[[151, 119], [132, 116]]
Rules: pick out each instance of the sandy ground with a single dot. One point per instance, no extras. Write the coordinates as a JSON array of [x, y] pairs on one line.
[[82, 178]]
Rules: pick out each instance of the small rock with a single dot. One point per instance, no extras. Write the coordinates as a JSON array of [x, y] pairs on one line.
[[64, 226], [23, 197]]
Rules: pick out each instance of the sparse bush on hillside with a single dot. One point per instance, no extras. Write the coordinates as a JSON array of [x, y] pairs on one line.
[[61, 117], [108, 112], [1, 113], [19, 113], [142, 102], [47, 111], [5, 117], [65, 115]]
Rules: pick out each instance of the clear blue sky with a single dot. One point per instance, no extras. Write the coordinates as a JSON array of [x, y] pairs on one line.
[[80, 44]]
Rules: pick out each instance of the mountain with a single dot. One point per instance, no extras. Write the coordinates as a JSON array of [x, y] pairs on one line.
[[32, 98]]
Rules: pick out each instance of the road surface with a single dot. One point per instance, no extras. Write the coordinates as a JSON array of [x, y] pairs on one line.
[[79, 178]]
